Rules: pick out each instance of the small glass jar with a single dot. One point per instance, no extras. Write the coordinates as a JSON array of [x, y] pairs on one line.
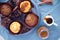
[[43, 32]]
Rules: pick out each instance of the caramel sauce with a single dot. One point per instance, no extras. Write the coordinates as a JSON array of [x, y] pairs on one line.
[[44, 34]]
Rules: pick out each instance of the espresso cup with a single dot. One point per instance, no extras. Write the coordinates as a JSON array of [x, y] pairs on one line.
[[50, 20], [43, 32]]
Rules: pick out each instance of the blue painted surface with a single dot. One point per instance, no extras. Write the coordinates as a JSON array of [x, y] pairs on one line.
[[3, 0], [41, 11]]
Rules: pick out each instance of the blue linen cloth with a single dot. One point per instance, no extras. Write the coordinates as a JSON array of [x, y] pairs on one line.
[[41, 11]]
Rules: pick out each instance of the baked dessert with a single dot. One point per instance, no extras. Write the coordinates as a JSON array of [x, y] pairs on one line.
[[5, 9], [25, 6], [15, 27], [31, 19]]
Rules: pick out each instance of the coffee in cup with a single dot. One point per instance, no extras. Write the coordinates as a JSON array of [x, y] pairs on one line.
[[48, 20]]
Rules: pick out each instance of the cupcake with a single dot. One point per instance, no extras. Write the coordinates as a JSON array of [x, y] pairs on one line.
[[5, 9], [25, 6], [31, 19], [15, 27], [43, 32]]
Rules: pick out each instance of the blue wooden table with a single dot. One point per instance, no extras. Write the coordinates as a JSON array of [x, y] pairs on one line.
[[41, 11]]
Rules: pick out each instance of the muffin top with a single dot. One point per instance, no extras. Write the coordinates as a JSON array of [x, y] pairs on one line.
[[5, 9], [15, 27], [31, 19], [25, 6]]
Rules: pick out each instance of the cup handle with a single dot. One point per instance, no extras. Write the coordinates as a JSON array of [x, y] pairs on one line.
[[55, 24]]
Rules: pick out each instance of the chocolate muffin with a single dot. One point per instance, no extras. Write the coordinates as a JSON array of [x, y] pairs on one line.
[[15, 27], [25, 6], [5, 9], [31, 19]]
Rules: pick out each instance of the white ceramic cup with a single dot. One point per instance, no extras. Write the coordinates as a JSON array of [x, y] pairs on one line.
[[53, 23]]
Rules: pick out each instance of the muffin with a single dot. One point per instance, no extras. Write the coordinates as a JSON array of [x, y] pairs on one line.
[[15, 27], [5, 9], [25, 6], [31, 19], [43, 32]]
